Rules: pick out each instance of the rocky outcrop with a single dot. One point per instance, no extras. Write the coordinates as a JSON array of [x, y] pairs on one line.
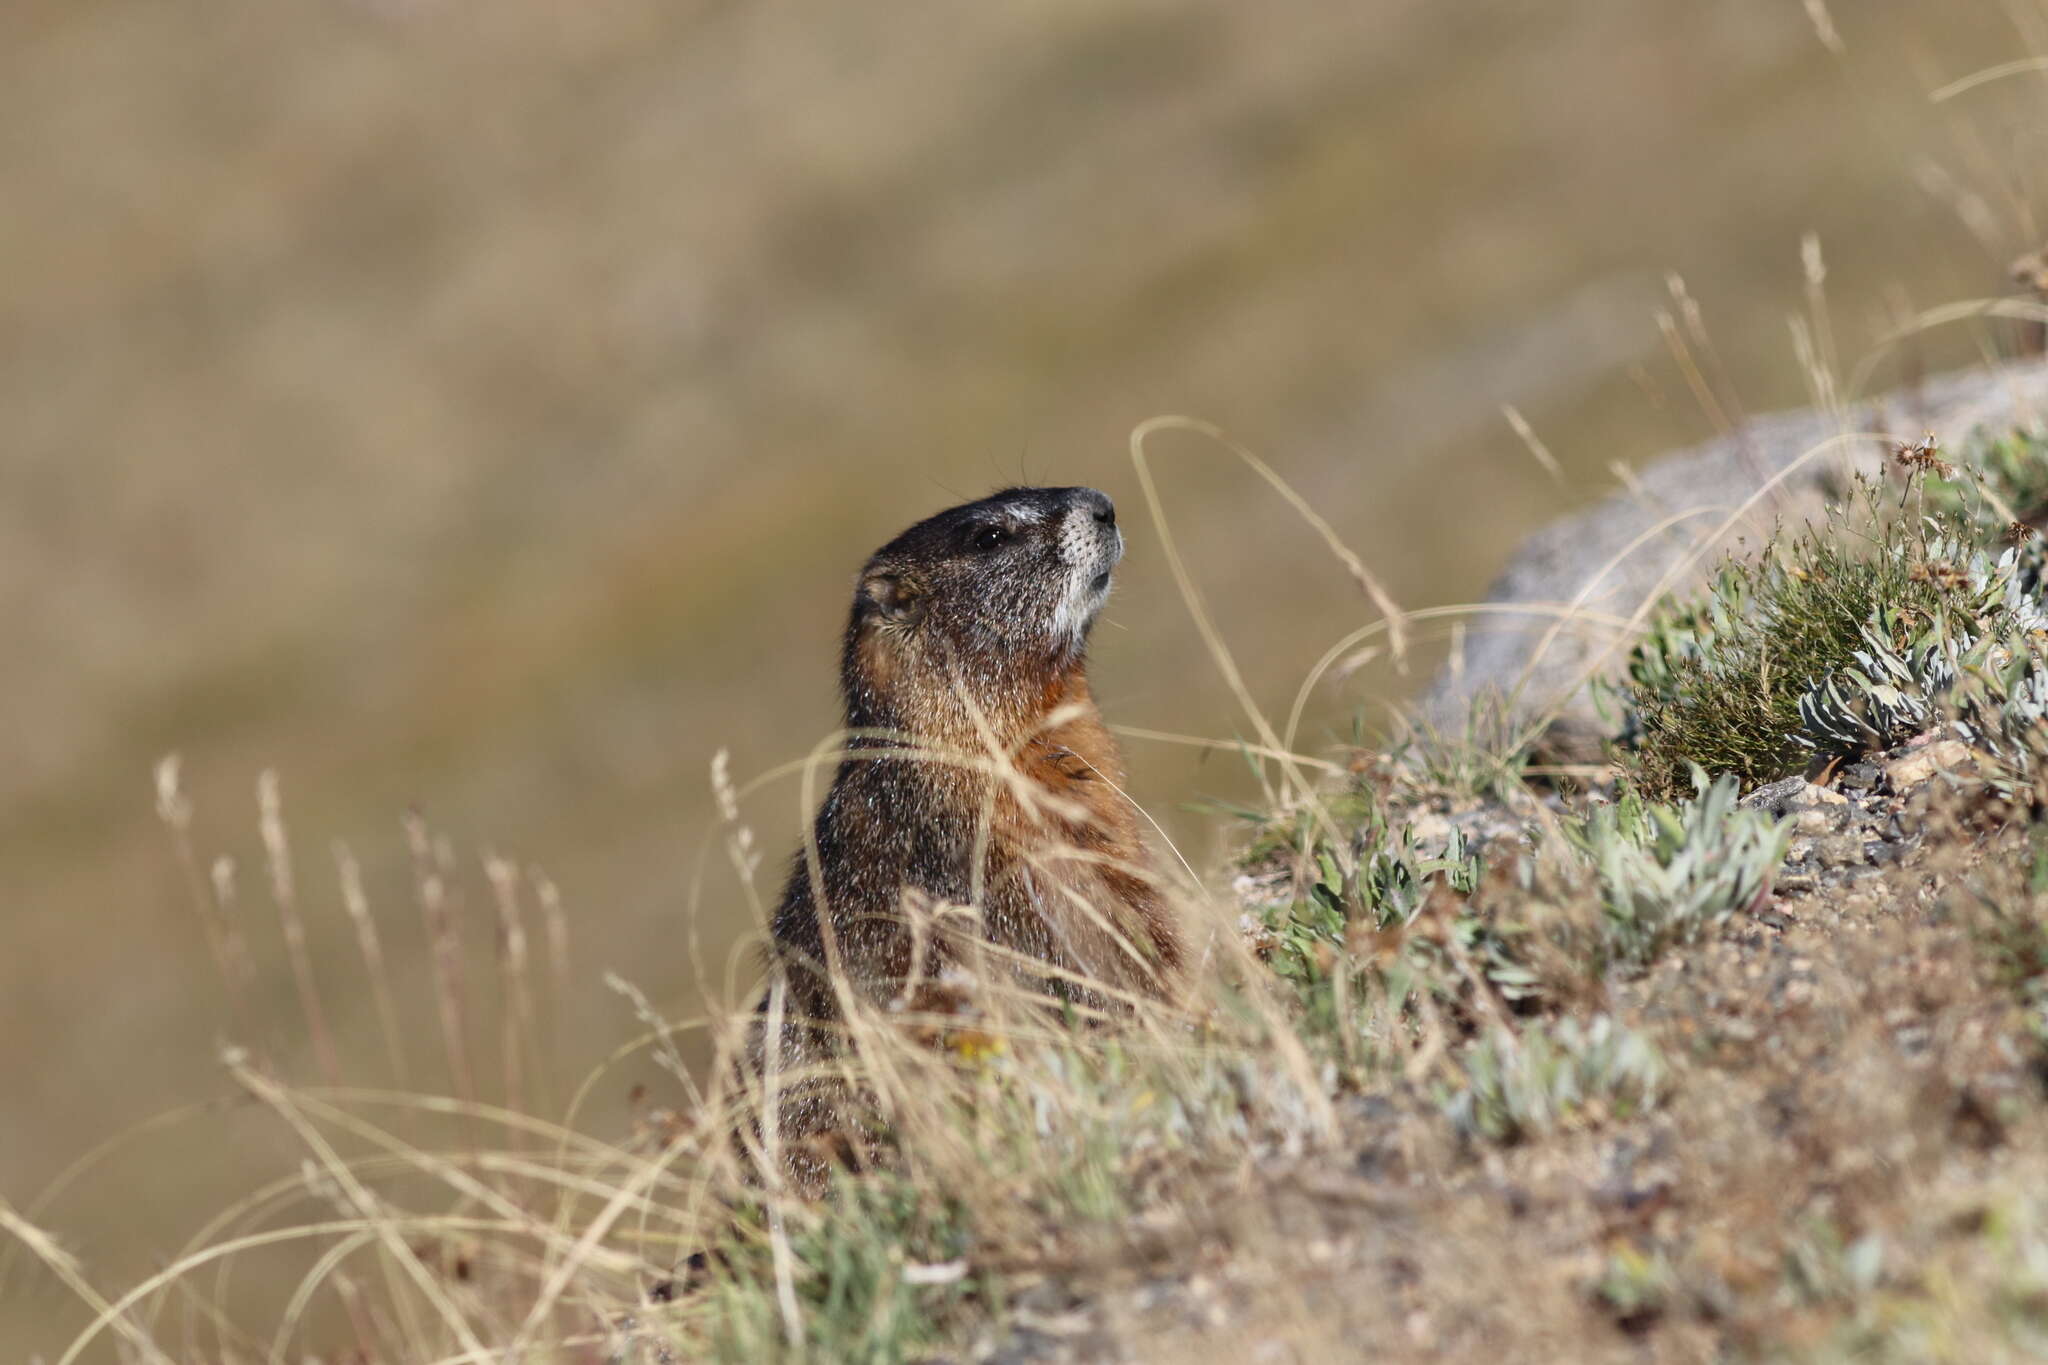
[[1668, 529]]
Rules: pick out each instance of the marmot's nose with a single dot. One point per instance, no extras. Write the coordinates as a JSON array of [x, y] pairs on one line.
[[1099, 504]]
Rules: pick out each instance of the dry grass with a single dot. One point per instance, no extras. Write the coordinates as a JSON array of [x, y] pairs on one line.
[[1721, 1159]]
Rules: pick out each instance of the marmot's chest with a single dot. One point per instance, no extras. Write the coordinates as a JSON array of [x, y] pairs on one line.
[[1071, 857], [1076, 773]]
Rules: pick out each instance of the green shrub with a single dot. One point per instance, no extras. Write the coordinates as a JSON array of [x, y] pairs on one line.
[[874, 1274], [2000, 477], [1668, 873], [1552, 1075], [1716, 682], [1848, 638]]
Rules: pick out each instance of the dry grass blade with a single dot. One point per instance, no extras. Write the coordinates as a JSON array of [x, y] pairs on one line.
[[1207, 742], [66, 1268], [444, 944], [284, 891], [555, 928], [516, 1013], [1566, 614], [217, 1252], [450, 1174], [366, 1204], [1824, 27], [2024, 66], [230, 958], [1628, 628], [370, 945], [1968, 310], [1531, 442], [86, 1161], [1301, 787], [588, 1246], [1364, 577], [322, 1271]]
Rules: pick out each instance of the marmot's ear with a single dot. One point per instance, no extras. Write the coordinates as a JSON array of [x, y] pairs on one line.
[[897, 598]]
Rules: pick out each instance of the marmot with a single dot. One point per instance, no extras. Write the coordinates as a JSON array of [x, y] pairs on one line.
[[977, 773]]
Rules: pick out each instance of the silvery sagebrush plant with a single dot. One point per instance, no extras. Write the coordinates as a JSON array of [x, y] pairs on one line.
[[1668, 873], [1975, 667], [1551, 1075]]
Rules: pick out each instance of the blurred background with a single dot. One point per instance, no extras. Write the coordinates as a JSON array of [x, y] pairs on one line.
[[482, 409]]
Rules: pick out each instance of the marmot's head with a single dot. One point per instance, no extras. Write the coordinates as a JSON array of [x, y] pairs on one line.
[[990, 595]]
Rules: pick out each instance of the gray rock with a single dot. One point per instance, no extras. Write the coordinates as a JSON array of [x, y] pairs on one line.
[[1779, 798], [1841, 850], [1614, 558]]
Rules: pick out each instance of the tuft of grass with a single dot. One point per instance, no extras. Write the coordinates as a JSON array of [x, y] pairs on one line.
[[879, 1273], [1850, 637], [1486, 757], [1716, 682], [1553, 1075]]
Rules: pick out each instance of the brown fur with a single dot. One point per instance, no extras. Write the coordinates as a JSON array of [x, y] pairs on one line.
[[978, 774]]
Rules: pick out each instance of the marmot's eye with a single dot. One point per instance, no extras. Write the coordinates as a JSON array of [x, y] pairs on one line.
[[988, 537]]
